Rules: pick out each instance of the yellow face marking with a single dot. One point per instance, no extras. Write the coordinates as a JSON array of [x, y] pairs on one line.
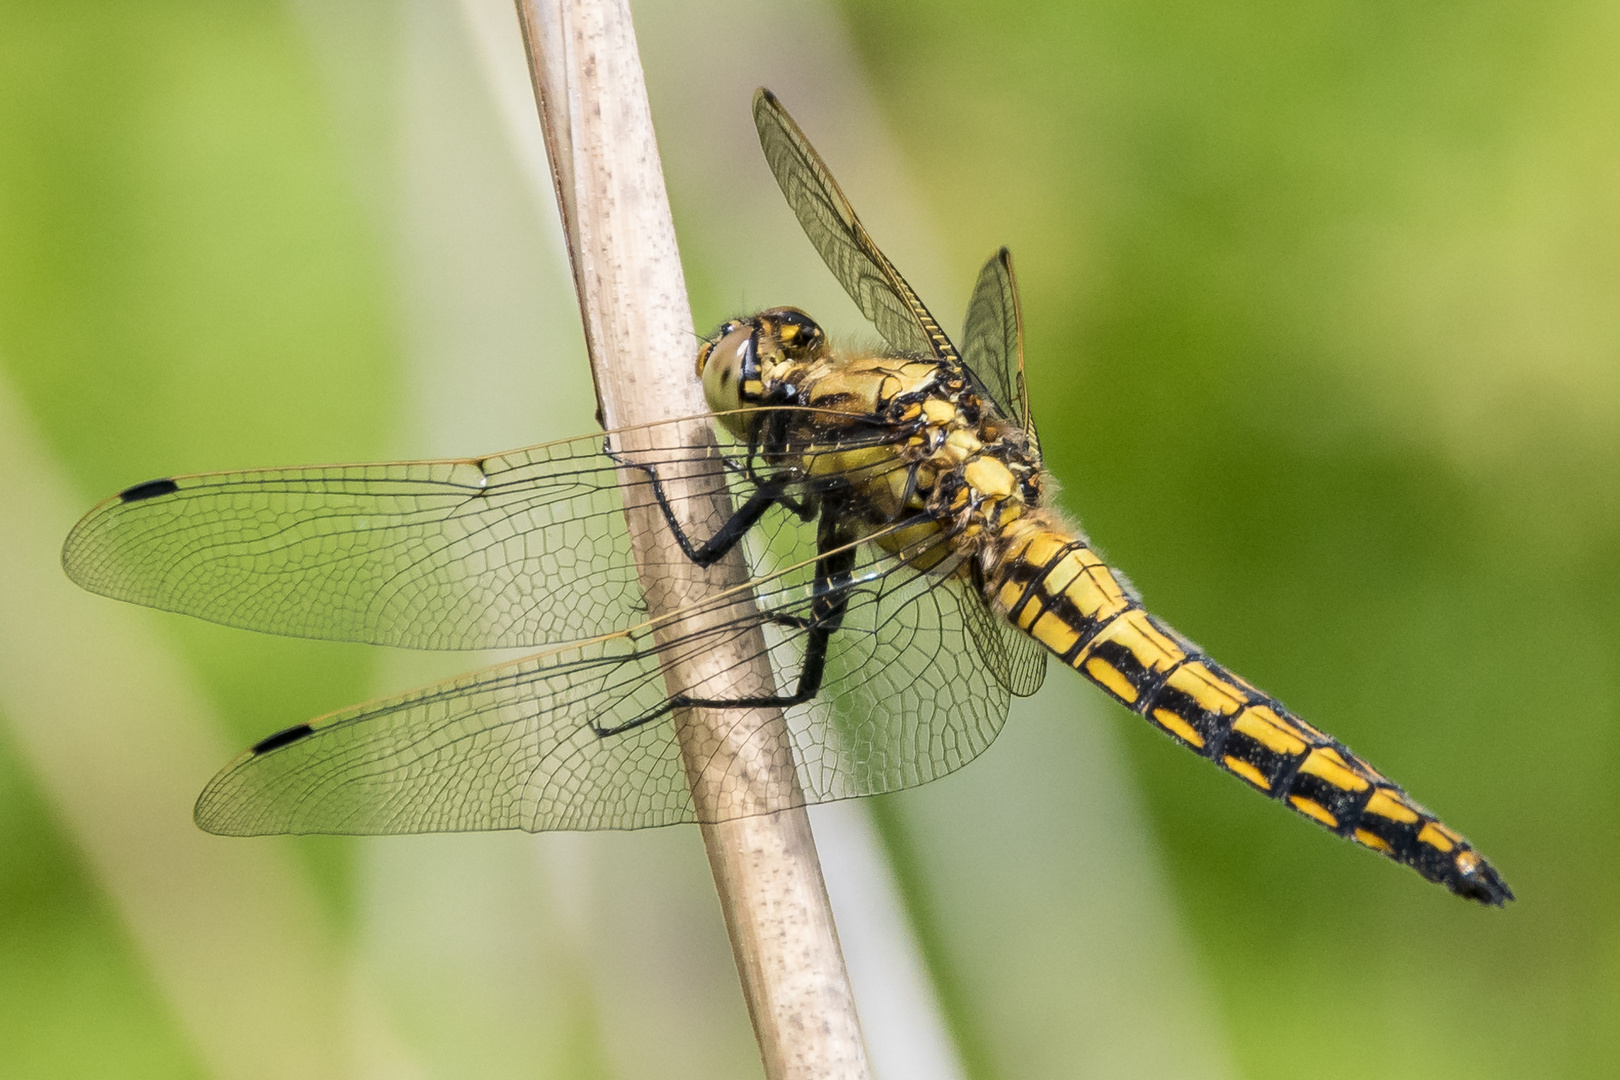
[[1434, 837], [1209, 692], [1386, 805], [1095, 594], [1054, 633], [753, 388], [989, 477], [1108, 675], [1313, 809], [1373, 840], [1269, 730], [1178, 727], [1325, 762], [1248, 772]]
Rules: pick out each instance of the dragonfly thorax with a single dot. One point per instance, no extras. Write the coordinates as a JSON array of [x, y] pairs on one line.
[[905, 446]]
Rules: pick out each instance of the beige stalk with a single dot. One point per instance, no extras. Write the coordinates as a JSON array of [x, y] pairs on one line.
[[638, 327]]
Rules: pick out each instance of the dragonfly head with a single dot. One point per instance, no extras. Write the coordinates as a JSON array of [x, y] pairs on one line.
[[742, 367]]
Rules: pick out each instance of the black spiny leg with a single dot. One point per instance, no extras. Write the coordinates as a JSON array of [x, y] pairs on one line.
[[735, 528], [829, 600]]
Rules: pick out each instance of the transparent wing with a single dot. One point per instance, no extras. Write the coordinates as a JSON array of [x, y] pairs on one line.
[[993, 350], [1016, 660], [510, 747], [993, 342], [907, 699], [521, 549], [839, 237], [531, 745]]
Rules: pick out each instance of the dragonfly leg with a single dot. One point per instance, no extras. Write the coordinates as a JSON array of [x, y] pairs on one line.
[[829, 601], [735, 528]]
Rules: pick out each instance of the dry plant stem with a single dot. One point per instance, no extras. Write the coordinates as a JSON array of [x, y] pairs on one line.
[[604, 159]]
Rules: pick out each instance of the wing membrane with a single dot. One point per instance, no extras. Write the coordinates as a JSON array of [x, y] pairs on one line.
[[907, 699], [839, 237], [1016, 660], [504, 748], [522, 549], [843, 243], [518, 746], [993, 341]]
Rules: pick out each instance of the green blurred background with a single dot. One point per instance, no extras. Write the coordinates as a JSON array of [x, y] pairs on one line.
[[1324, 343]]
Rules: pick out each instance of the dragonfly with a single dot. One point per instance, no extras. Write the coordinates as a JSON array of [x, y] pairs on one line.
[[906, 576]]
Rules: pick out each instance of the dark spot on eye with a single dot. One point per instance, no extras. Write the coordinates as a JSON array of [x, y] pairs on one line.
[[282, 738], [725, 377], [149, 490]]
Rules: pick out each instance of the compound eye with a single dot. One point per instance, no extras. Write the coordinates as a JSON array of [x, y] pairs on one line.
[[724, 365], [708, 347]]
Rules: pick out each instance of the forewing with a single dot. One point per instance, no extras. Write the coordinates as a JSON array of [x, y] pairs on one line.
[[993, 341], [518, 549], [838, 236], [521, 549], [1016, 660]]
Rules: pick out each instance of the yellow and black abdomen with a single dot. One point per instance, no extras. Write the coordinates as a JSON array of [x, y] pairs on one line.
[[1052, 586]]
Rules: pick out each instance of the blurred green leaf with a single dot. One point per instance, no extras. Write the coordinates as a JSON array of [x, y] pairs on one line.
[[1323, 345]]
